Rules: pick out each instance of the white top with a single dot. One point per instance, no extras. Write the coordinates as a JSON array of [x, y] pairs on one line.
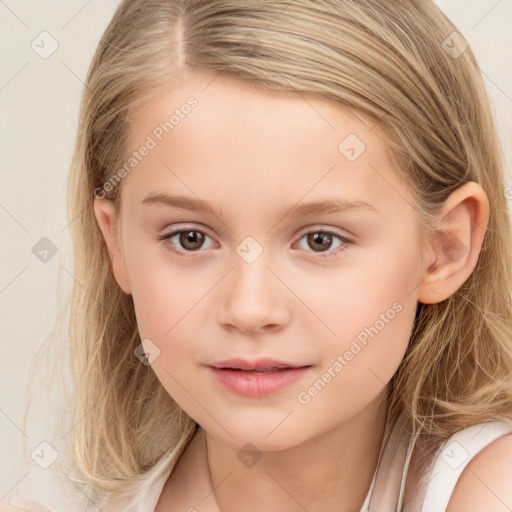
[[387, 487]]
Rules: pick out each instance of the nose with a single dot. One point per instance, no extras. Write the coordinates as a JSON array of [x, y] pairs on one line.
[[253, 298]]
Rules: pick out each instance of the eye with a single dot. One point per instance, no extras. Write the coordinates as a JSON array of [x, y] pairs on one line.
[[189, 240], [192, 240], [319, 240]]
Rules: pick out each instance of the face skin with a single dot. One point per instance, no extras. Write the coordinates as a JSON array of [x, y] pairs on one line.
[[253, 156]]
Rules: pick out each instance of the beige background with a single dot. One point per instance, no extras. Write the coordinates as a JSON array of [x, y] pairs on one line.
[[39, 100]]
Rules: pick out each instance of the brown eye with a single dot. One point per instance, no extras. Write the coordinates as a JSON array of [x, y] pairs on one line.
[[184, 241], [191, 240], [319, 241]]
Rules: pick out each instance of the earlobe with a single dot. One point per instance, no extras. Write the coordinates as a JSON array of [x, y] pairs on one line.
[[104, 211], [456, 243]]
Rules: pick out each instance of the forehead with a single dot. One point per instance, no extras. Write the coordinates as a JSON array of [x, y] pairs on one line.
[[219, 138]]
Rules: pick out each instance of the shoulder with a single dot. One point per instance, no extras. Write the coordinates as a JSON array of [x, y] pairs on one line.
[[485, 482]]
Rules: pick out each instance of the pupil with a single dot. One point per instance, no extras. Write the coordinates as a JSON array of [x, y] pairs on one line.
[[318, 241], [318, 238], [193, 237]]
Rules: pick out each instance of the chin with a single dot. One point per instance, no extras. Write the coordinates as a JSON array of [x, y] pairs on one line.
[[268, 435]]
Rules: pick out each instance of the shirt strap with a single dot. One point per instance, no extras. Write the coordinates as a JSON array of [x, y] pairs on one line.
[[453, 456]]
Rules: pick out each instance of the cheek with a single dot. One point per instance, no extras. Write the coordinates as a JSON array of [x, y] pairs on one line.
[[370, 311], [363, 313], [164, 309], [352, 299], [165, 300], [169, 297], [359, 363], [164, 290]]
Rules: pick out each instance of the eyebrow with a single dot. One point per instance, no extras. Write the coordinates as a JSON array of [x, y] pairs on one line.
[[337, 205]]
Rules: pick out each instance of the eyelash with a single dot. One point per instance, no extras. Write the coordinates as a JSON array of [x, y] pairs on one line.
[[167, 242]]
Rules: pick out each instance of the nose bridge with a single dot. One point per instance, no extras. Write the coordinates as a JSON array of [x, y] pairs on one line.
[[253, 296], [252, 278]]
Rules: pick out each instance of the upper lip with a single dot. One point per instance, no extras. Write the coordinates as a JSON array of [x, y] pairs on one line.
[[257, 364]]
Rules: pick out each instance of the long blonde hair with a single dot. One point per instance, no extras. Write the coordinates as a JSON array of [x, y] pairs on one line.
[[394, 65]]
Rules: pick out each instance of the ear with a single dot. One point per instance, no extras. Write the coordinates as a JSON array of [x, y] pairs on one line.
[[456, 244], [104, 210]]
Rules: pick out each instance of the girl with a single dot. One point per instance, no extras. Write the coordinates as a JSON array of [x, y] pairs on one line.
[[292, 261]]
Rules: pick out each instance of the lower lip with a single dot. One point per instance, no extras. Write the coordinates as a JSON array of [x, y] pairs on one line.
[[251, 384]]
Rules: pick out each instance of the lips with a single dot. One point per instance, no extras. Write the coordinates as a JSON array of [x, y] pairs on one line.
[[256, 378], [262, 365], [257, 371]]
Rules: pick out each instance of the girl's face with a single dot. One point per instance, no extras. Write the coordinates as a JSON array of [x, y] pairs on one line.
[[240, 277]]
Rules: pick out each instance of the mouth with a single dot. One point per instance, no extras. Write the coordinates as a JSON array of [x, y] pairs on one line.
[[259, 365], [261, 371], [258, 378]]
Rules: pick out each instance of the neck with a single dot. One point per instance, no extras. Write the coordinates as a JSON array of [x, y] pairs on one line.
[[332, 471]]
